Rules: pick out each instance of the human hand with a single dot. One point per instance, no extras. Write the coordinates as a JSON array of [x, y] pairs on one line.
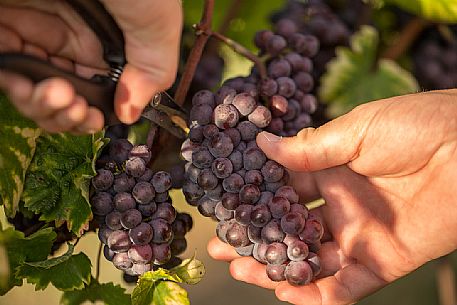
[[387, 171], [52, 30]]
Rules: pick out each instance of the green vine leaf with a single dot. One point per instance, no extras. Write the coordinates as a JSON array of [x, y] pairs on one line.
[[17, 147], [20, 249], [434, 10], [108, 293], [66, 272], [191, 271], [57, 183], [353, 76]]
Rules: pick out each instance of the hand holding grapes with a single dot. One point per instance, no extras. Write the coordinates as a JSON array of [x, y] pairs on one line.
[[387, 171], [52, 30]]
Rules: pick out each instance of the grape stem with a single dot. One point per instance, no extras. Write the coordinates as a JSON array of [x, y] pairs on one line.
[[407, 36], [238, 48], [195, 53], [99, 255]]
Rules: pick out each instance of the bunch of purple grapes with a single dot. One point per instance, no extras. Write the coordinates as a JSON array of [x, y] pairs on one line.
[[231, 180], [139, 226]]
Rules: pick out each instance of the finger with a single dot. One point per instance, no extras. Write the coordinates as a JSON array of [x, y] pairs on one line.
[[9, 40], [35, 51], [19, 90], [332, 144], [248, 270], [305, 185], [50, 96], [92, 123], [73, 115], [332, 259], [62, 63], [221, 251], [347, 286]]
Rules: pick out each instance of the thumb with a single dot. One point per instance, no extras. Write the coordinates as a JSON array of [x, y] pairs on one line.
[[332, 144]]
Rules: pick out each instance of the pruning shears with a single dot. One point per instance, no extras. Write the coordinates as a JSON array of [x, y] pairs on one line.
[[99, 91]]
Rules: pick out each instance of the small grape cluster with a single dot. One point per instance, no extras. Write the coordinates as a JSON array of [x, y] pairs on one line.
[[230, 179], [139, 226]]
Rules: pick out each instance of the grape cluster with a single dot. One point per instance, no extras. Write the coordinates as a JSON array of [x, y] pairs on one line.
[[231, 180], [139, 226], [435, 62]]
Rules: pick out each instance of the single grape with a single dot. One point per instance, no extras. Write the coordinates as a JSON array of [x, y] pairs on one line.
[[103, 180], [304, 81], [279, 206], [103, 234], [261, 38], [187, 149], [314, 262], [259, 252], [163, 233], [131, 218], [140, 253], [297, 250], [235, 83], [147, 175], [113, 220], [260, 117], [272, 232], [254, 233], [298, 273], [220, 145], [221, 229], [123, 183], [196, 134], [233, 183], [192, 191], [192, 172], [119, 150], [122, 261], [299, 208], [135, 167], [243, 214], [140, 269], [248, 130], [245, 251], [275, 44], [268, 87], [179, 228], [309, 103], [202, 158], [278, 105], [244, 103], [312, 231], [237, 235], [293, 110], [236, 158], [249, 194], [276, 272], [206, 206], [285, 27], [207, 180], [143, 192], [222, 167], [215, 193], [147, 209], [141, 151], [272, 171], [265, 197], [260, 215], [289, 193], [119, 241], [210, 131], [161, 253], [108, 253], [204, 97], [234, 135], [222, 213], [225, 95], [161, 181], [141, 234], [178, 246], [286, 86], [253, 158], [161, 197], [307, 45], [230, 201], [102, 203], [289, 239], [292, 223], [165, 211], [187, 219], [226, 116], [276, 253], [253, 177], [201, 114], [299, 63], [129, 278]]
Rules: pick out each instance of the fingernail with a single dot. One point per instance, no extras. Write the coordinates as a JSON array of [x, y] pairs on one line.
[[271, 137]]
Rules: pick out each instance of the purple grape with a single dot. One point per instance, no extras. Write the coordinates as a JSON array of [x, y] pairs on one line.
[[119, 241], [253, 177], [272, 232], [178, 246], [161, 181], [187, 149], [147, 209], [303, 120], [286, 86], [222, 167], [103, 234], [192, 191], [192, 172], [140, 253], [233, 183], [220, 145], [207, 207], [299, 63], [272, 171], [135, 167], [210, 131], [222, 213], [230, 201], [274, 186], [260, 117], [259, 252], [202, 158], [187, 219], [234, 135], [139, 269], [236, 158], [207, 180], [253, 158], [235, 83], [113, 220], [146, 176], [314, 262], [122, 261], [216, 193], [249, 194], [201, 114], [285, 27], [307, 45], [298, 273], [237, 235], [297, 250], [179, 228], [276, 126], [309, 103], [102, 203], [226, 116], [304, 81], [103, 180], [243, 214], [248, 130], [141, 151], [244, 103], [163, 232], [260, 215], [292, 223], [119, 150], [241, 147], [165, 211], [131, 218], [279, 68], [221, 229], [276, 272], [312, 231], [203, 97], [161, 197], [279, 206], [242, 173], [276, 253], [254, 233], [196, 134], [123, 183], [261, 38], [275, 44], [268, 87], [108, 253], [278, 105], [265, 197], [143, 192], [245, 251], [161, 253], [315, 247], [289, 239], [289, 193], [225, 95], [141, 234], [299, 208]]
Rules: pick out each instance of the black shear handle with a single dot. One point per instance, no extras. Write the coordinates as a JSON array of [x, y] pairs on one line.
[[98, 92]]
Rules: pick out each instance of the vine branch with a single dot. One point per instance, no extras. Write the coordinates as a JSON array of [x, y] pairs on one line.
[[196, 52], [99, 255], [407, 36]]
